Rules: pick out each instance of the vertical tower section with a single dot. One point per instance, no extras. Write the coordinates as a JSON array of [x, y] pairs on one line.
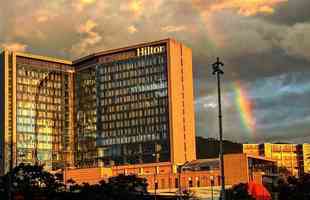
[[86, 114], [7, 145], [181, 103], [3, 99], [140, 99], [306, 158], [37, 121]]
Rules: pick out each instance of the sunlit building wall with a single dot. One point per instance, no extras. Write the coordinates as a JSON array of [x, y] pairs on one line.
[[306, 157], [135, 105], [288, 156], [38, 111], [131, 105]]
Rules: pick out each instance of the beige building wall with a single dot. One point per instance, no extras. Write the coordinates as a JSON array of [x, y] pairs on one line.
[[181, 101], [181, 104], [9, 87], [251, 149], [239, 172], [306, 157], [286, 155]]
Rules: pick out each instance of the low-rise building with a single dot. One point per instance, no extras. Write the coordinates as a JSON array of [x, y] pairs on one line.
[[204, 173], [291, 157]]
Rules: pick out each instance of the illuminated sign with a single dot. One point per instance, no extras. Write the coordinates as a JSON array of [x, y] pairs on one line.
[[150, 50]]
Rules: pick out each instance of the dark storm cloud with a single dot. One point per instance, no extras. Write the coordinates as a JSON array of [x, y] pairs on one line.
[[291, 12], [278, 101]]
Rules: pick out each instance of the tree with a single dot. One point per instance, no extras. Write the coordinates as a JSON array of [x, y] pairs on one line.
[[294, 188], [119, 187], [239, 192], [32, 180], [126, 187]]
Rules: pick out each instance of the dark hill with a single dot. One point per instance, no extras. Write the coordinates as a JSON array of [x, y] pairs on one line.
[[209, 147]]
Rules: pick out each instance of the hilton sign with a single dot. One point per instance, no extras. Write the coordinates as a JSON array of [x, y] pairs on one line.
[[146, 51]]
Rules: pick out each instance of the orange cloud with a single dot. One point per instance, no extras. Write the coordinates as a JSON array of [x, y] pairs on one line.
[[87, 1], [81, 4], [170, 29], [14, 46], [89, 38], [132, 29], [243, 7], [136, 6], [207, 9]]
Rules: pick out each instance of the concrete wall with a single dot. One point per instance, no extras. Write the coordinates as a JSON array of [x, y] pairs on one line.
[[1, 112], [236, 168], [181, 103]]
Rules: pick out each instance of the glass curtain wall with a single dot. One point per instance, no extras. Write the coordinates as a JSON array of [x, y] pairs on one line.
[[86, 117], [42, 115], [132, 111]]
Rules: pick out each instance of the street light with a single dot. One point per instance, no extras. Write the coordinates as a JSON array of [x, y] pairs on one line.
[[155, 176], [218, 72], [212, 184]]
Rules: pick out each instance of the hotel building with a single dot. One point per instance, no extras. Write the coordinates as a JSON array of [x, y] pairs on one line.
[[142, 109], [131, 105], [293, 157]]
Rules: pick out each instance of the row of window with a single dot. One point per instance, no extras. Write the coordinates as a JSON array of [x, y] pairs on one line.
[[39, 106], [132, 64], [137, 89], [47, 87], [138, 130], [134, 114], [158, 103], [37, 74], [130, 139], [132, 82], [158, 120], [145, 96], [133, 74]]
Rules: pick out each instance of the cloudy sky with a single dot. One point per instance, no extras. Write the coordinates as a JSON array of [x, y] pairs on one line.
[[265, 45]]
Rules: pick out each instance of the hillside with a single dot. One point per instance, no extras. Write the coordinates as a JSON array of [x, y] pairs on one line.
[[209, 147]]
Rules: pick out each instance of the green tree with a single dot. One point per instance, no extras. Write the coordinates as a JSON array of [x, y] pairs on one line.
[[294, 188], [126, 187], [31, 181], [239, 192]]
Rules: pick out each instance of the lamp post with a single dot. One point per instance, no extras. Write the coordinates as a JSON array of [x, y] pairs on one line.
[[155, 177], [212, 184], [218, 72]]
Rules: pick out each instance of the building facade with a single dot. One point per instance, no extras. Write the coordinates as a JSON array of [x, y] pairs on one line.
[[291, 157], [36, 110], [142, 104], [306, 158], [125, 106], [197, 174]]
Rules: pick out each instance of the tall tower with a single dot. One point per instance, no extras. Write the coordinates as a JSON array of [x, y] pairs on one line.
[[144, 109]]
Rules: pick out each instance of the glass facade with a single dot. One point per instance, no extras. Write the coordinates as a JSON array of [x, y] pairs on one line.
[[109, 108], [132, 112], [42, 113], [86, 117], [122, 109]]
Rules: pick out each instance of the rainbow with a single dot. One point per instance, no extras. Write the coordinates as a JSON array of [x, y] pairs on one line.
[[245, 108]]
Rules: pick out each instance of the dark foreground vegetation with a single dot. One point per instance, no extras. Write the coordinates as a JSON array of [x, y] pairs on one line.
[[32, 182], [27, 182], [286, 188]]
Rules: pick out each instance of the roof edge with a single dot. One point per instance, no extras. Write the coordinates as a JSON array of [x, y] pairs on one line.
[[43, 58], [110, 51]]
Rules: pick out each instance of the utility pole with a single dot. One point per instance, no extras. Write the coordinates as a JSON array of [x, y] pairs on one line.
[[218, 72]]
